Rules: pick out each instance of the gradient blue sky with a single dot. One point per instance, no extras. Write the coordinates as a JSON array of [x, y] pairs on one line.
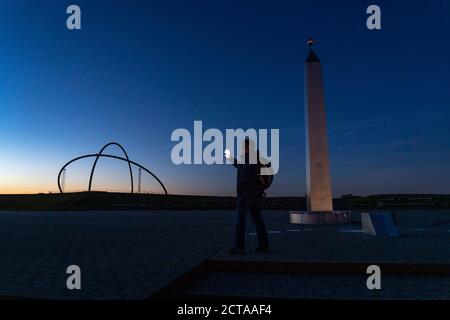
[[138, 70]]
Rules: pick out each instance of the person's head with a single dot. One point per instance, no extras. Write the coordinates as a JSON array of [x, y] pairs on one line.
[[249, 151], [248, 146]]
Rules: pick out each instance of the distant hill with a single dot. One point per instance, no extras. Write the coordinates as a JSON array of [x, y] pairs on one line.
[[394, 201], [127, 201]]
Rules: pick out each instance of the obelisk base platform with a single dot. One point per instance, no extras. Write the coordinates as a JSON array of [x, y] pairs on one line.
[[334, 217]]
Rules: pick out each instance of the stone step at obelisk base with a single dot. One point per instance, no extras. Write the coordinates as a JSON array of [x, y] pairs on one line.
[[308, 217], [318, 183]]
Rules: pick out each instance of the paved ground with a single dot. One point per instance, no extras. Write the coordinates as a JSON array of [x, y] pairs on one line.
[[122, 255], [129, 255], [348, 244], [420, 241], [313, 286]]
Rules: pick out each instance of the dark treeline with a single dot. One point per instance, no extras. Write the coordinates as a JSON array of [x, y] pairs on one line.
[[126, 201]]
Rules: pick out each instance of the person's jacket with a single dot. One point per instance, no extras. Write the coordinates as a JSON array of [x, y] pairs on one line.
[[247, 178]]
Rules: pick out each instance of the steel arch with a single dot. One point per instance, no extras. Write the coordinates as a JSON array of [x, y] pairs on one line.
[[98, 155]]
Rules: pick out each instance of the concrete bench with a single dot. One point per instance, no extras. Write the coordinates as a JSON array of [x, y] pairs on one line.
[[379, 224]]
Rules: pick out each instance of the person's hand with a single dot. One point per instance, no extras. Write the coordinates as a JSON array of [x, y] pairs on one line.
[[227, 154]]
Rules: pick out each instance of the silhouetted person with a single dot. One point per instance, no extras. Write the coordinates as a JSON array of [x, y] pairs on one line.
[[248, 196]]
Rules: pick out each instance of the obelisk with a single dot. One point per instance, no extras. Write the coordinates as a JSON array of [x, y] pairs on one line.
[[318, 184], [319, 199]]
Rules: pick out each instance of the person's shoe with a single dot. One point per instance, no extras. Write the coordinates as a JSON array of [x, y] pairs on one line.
[[262, 250], [236, 251]]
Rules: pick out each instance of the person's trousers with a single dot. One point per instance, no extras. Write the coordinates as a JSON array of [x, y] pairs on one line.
[[249, 204]]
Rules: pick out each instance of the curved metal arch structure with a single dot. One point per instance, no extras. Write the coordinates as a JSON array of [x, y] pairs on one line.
[[100, 154]]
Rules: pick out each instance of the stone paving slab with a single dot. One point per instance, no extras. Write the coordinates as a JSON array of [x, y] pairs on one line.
[[419, 241], [313, 286], [132, 254], [329, 245], [122, 255]]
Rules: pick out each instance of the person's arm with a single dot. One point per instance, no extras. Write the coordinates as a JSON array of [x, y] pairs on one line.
[[230, 158], [235, 162]]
